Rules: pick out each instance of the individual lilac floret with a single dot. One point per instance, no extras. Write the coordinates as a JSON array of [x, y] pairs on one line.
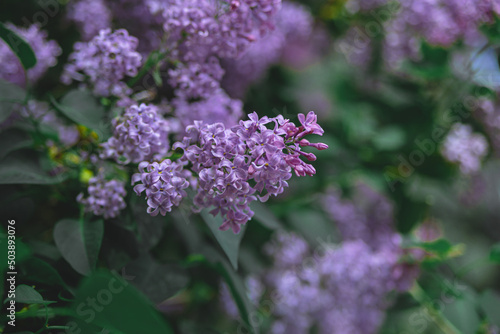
[[90, 16], [105, 197], [140, 134], [164, 184], [46, 53], [227, 159], [106, 60], [465, 148]]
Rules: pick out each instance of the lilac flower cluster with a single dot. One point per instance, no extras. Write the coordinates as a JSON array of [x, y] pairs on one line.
[[204, 27], [217, 107], [293, 25], [372, 212], [343, 288], [46, 53], [141, 133], [142, 19], [90, 16], [194, 80], [106, 60], [244, 163], [439, 22], [488, 113], [163, 183], [465, 148], [105, 197]]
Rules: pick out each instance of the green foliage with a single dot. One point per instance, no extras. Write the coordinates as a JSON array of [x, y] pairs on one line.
[[22, 49], [79, 243], [81, 107]]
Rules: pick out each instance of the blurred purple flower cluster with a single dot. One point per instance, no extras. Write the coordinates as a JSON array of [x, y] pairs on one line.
[[465, 148], [105, 198], [105, 61], [90, 16], [343, 288]]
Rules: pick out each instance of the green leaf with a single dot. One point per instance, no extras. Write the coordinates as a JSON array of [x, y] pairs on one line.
[[157, 281], [229, 241], [11, 96], [22, 49], [79, 243], [27, 295], [490, 301], [441, 248], [235, 284], [13, 139], [117, 306], [81, 107], [264, 216], [462, 313], [20, 169], [40, 271], [495, 253], [389, 138]]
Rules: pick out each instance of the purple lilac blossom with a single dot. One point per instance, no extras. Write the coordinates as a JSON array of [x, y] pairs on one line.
[[293, 24], [46, 53], [488, 113], [201, 28], [141, 18], [217, 107], [439, 22], [465, 148], [105, 198], [372, 212], [194, 80], [140, 134], [226, 160], [163, 183], [106, 60], [344, 289], [90, 16]]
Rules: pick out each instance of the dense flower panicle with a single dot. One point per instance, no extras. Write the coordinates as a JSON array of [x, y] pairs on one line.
[[367, 216], [465, 148], [439, 22], [293, 24], [90, 16], [488, 113], [163, 183], [225, 29], [343, 289], [216, 107], [194, 80], [105, 197], [46, 53], [106, 60], [226, 160], [139, 134], [142, 19]]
